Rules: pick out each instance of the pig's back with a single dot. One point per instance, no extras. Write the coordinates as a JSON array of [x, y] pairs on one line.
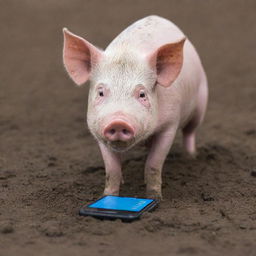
[[146, 35]]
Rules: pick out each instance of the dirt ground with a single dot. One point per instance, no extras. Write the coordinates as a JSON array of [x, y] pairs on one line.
[[50, 165]]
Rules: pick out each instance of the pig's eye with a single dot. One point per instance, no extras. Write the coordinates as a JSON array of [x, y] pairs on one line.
[[100, 92], [142, 94]]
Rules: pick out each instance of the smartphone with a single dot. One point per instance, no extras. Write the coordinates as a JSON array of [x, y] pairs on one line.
[[113, 207]]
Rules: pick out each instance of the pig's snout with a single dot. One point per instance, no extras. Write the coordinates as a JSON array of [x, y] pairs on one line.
[[119, 130]]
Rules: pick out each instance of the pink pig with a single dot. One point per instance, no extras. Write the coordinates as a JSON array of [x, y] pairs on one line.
[[146, 84]]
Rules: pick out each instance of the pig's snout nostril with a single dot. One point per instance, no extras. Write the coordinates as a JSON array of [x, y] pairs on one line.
[[125, 131], [119, 130]]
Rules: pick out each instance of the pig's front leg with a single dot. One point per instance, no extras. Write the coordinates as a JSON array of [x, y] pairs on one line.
[[112, 162], [161, 144]]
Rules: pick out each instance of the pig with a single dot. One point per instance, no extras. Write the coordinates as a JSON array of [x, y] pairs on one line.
[[148, 83]]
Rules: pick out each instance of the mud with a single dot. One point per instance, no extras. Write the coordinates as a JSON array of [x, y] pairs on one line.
[[50, 165]]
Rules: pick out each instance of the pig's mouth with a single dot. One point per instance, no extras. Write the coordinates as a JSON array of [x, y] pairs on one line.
[[119, 145]]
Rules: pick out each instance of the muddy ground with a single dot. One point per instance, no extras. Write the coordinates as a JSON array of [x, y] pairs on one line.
[[50, 165]]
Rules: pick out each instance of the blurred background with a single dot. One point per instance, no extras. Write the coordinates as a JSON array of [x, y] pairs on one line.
[[49, 163]]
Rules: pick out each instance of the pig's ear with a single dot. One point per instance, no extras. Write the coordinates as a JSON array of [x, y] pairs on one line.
[[79, 56], [167, 61]]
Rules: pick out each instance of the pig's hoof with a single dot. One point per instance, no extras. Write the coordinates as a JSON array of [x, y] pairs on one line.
[[191, 155], [155, 195], [110, 193]]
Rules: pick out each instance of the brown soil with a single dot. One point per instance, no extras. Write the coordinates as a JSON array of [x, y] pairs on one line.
[[50, 165]]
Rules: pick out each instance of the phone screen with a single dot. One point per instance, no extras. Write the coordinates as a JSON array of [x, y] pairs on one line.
[[121, 203]]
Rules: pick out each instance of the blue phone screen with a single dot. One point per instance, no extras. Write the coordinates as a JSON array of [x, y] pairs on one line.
[[121, 203]]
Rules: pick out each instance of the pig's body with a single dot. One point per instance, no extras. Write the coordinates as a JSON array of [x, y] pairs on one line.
[[179, 103]]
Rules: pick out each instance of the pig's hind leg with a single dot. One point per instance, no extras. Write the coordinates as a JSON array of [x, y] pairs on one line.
[[189, 131], [189, 136]]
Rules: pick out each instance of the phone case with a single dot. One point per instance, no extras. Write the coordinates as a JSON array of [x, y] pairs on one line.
[[116, 214]]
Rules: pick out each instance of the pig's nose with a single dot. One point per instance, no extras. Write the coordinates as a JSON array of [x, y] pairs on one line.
[[118, 130]]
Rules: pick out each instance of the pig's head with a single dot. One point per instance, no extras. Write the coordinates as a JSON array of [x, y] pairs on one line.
[[123, 106]]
